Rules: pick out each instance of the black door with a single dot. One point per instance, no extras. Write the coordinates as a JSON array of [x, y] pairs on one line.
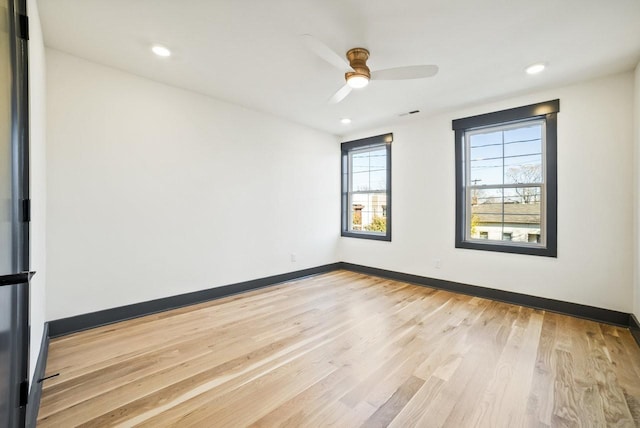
[[14, 215]]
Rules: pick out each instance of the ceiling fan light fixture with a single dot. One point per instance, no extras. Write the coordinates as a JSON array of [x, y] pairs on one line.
[[357, 81], [359, 77]]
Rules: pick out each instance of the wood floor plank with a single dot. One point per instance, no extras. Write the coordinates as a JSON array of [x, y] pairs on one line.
[[394, 405], [345, 349], [411, 414], [540, 400]]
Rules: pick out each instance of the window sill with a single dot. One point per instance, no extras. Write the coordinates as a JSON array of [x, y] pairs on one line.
[[364, 235], [508, 248]]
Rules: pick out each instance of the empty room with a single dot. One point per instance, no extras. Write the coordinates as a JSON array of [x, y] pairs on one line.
[[308, 213]]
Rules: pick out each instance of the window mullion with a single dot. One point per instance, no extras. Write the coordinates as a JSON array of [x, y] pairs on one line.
[[467, 186], [502, 228]]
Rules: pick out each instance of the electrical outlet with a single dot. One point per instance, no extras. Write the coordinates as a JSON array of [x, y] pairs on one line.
[[293, 258], [437, 263]]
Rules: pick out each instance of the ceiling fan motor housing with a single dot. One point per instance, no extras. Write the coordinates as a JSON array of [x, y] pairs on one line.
[[358, 61]]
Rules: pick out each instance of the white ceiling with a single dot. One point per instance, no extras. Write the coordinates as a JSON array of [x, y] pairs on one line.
[[250, 52]]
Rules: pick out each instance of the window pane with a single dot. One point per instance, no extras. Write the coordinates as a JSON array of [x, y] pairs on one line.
[[522, 212], [360, 181], [360, 171], [503, 214], [369, 170], [528, 134], [378, 180], [486, 171], [509, 155], [486, 214], [368, 212], [523, 154], [485, 158]]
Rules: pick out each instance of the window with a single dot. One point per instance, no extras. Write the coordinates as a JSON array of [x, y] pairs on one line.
[[506, 180], [366, 188]]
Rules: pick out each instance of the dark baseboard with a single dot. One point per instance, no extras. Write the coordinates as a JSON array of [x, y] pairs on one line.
[[82, 322], [574, 309], [634, 328], [33, 404]]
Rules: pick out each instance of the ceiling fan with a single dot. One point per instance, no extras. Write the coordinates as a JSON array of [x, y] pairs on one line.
[[357, 73]]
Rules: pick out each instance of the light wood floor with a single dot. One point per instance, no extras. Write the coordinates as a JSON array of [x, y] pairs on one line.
[[347, 350]]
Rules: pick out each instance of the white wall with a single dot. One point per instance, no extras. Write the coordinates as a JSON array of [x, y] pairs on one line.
[[155, 191], [37, 179], [636, 127], [595, 203]]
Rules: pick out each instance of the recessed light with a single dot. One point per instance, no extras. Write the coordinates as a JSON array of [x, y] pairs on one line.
[[535, 68], [345, 121], [161, 51]]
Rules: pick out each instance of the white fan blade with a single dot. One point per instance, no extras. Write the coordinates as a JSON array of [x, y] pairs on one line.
[[326, 53], [340, 95], [405, 73]]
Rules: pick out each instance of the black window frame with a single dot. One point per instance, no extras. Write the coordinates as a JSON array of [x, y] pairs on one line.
[[346, 147], [546, 111]]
